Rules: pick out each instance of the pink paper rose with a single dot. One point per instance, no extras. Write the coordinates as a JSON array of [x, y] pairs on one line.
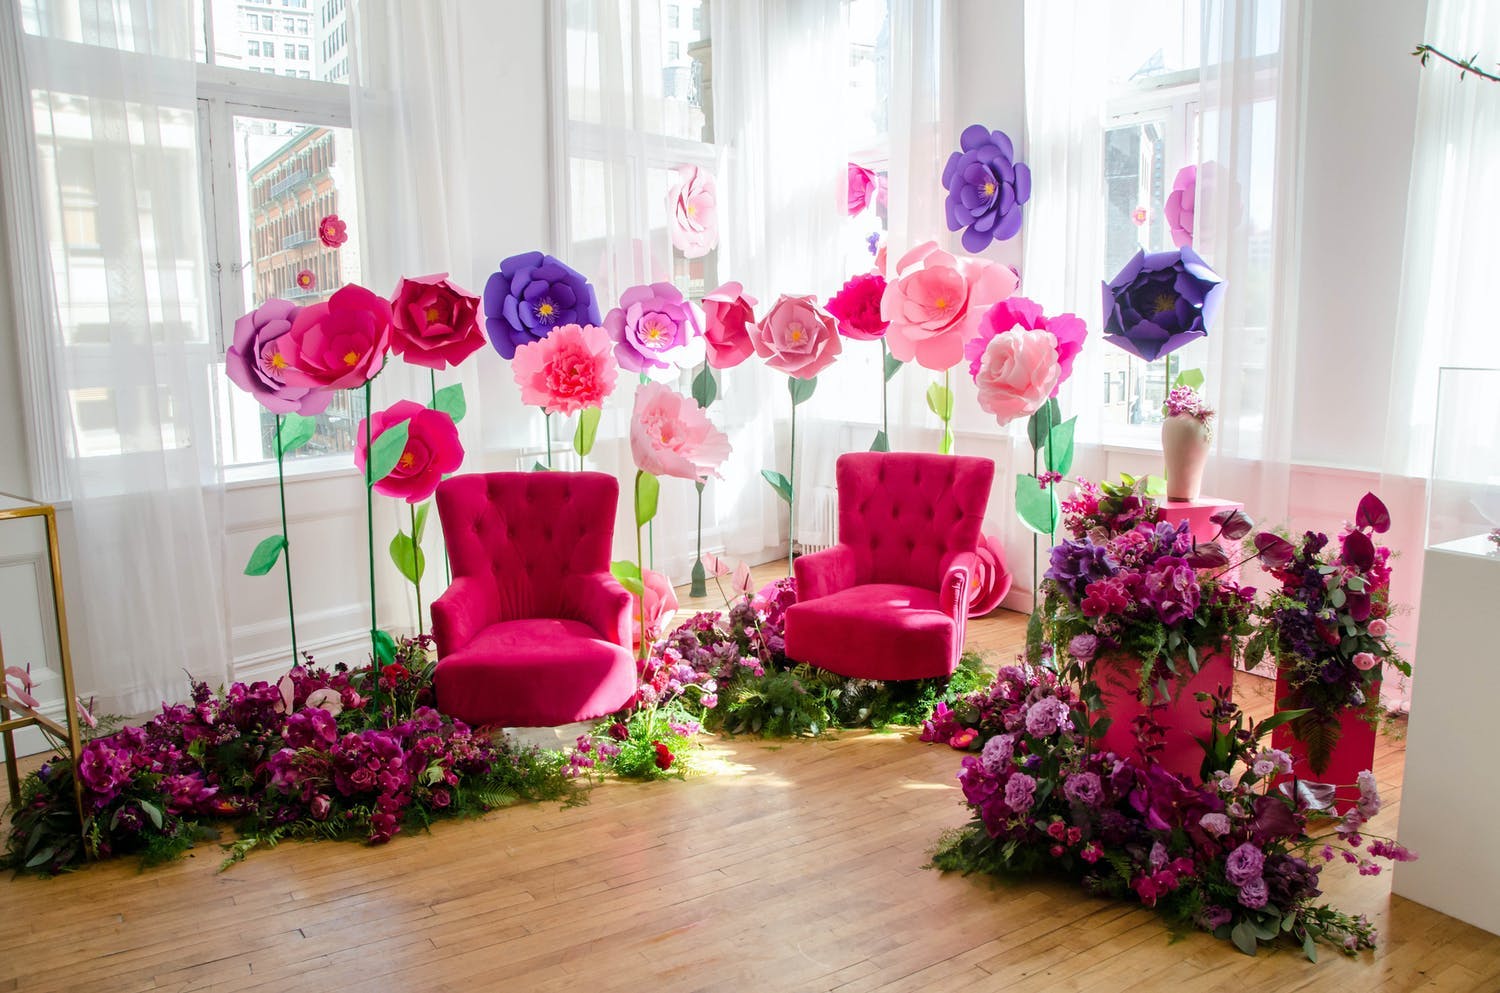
[[797, 337], [434, 323], [728, 316], [655, 330], [339, 343], [255, 364], [1017, 373], [660, 604], [670, 435], [432, 449], [1019, 313], [692, 204], [866, 186], [570, 369], [1179, 205], [935, 304], [857, 307]]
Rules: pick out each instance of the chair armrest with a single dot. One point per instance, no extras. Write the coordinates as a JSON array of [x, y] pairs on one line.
[[958, 575], [465, 608], [598, 600], [825, 572]]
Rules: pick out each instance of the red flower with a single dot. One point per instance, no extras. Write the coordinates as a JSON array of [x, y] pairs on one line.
[[664, 756], [619, 731], [434, 323], [392, 675], [857, 307], [332, 231]]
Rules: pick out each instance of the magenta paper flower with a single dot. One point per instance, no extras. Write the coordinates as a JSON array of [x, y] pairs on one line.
[[986, 188], [655, 330], [857, 307], [306, 279], [797, 337], [728, 316], [660, 603], [339, 343], [670, 435], [1019, 313], [694, 212], [935, 304], [1016, 374], [570, 369], [332, 231], [1179, 205], [255, 364], [432, 449], [866, 186], [434, 323]]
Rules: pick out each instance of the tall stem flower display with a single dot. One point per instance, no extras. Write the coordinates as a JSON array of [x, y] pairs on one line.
[[728, 316], [571, 371], [856, 307]]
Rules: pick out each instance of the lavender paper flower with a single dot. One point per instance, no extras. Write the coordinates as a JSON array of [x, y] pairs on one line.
[[532, 294], [1160, 302], [986, 188]]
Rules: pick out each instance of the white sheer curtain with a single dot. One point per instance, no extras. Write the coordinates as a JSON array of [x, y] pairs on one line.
[[123, 348]]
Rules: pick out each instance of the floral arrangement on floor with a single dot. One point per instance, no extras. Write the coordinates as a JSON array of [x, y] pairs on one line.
[[1107, 509]]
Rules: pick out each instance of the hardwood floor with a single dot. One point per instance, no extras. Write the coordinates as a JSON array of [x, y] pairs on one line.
[[785, 866]]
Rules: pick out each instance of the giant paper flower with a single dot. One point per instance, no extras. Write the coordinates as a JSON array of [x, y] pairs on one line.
[[1019, 313], [530, 295], [655, 330], [670, 435], [1160, 302], [660, 604], [435, 324], [797, 337], [728, 316], [255, 364], [1017, 373], [432, 449], [339, 343], [935, 303], [570, 369], [1180, 204], [857, 307], [694, 212], [866, 186], [986, 187]]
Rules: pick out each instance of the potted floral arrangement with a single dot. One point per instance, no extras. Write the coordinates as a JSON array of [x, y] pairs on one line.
[[1186, 433]]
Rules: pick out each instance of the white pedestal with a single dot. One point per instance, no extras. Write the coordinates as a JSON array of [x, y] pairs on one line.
[[1450, 807]]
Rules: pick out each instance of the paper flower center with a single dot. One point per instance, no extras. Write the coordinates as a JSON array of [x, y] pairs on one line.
[[796, 332], [941, 303], [989, 188], [658, 331], [433, 314], [277, 360], [407, 460], [1164, 303], [546, 310], [351, 357]]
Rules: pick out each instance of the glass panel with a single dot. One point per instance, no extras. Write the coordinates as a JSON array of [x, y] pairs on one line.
[[299, 39], [1153, 38], [673, 47], [869, 80]]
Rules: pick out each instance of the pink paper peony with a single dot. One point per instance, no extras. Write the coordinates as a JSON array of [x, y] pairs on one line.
[[692, 205], [1019, 313], [660, 605], [728, 316], [935, 304], [1179, 205], [655, 330], [797, 337], [339, 343], [670, 435], [434, 324], [857, 307], [332, 231], [255, 364], [432, 449], [1017, 373], [570, 369], [866, 186]]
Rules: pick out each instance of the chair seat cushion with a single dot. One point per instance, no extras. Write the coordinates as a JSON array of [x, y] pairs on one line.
[[539, 672], [875, 631]]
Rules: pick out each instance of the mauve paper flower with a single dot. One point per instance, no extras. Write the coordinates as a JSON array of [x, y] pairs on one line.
[[1160, 302], [866, 186], [728, 316], [655, 330], [670, 435], [857, 307], [935, 303], [434, 323], [693, 208], [797, 337], [1179, 205], [570, 369], [986, 188], [306, 279], [660, 605], [332, 231], [530, 295], [339, 343], [1019, 312], [1017, 373], [432, 449], [255, 364]]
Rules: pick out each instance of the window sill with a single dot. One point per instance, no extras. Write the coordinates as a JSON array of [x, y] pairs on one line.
[[263, 474]]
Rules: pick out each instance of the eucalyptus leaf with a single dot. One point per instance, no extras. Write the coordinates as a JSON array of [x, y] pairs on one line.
[[801, 389], [587, 430], [265, 555], [387, 449], [779, 483], [1243, 937], [705, 387], [295, 432], [647, 492], [881, 443], [450, 400]]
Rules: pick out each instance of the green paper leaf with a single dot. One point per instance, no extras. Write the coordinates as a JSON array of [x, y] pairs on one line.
[[628, 573], [647, 491], [265, 555], [408, 556], [152, 811], [705, 388], [450, 400], [1156, 486], [1047, 416], [385, 647], [1189, 377], [779, 483], [1035, 637], [698, 485], [1060, 447], [940, 401], [1037, 507], [539, 466], [801, 389], [587, 430], [295, 432], [892, 366], [945, 447], [881, 443], [421, 521], [386, 450]]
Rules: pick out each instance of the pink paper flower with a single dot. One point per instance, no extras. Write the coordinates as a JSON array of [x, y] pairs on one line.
[[691, 202], [434, 323], [339, 343], [660, 605], [306, 279], [432, 449], [865, 187], [570, 369], [332, 231], [797, 337], [670, 435], [255, 364], [935, 304], [1017, 373], [1019, 313], [655, 330], [857, 307], [1179, 205], [728, 316]]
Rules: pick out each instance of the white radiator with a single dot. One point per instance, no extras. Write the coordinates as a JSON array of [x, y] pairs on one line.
[[818, 528]]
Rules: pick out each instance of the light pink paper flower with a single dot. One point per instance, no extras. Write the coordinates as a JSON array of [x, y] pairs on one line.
[[572, 368], [728, 316], [866, 186], [693, 208], [1019, 313], [1180, 204], [1017, 373], [434, 323], [339, 343], [797, 337], [656, 330], [432, 449], [660, 602], [670, 435], [935, 303]]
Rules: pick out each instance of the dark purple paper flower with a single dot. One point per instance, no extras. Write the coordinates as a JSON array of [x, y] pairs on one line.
[[986, 188], [1160, 302], [532, 294]]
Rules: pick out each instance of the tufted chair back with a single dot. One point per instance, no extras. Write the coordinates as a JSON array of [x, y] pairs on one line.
[[525, 532], [902, 513]]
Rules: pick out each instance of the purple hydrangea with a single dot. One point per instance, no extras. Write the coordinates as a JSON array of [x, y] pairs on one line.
[[1244, 864]]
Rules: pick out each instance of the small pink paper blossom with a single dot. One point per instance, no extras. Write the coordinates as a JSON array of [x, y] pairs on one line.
[[692, 205], [1020, 313], [728, 316], [306, 279], [660, 603], [866, 186], [1017, 373], [570, 369], [432, 449], [332, 231], [1179, 205], [935, 304], [797, 337], [670, 435], [434, 323], [339, 343]]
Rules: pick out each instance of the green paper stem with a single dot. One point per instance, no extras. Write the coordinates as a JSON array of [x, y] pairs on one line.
[[640, 562], [547, 420], [447, 566], [286, 542], [370, 534], [885, 387], [416, 550], [699, 587], [791, 538]]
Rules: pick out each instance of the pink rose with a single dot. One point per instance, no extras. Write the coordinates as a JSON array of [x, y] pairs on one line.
[[797, 337], [339, 343], [935, 304], [660, 605], [1378, 628], [432, 449], [1019, 312], [434, 323], [670, 435], [692, 204], [1365, 661], [1017, 373], [728, 316], [320, 807], [570, 369], [1179, 205]]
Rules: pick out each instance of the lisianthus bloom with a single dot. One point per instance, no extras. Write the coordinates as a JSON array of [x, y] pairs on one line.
[[660, 603], [255, 364], [728, 316], [655, 330], [986, 188], [332, 231], [434, 323], [935, 303], [1159, 302], [797, 337], [693, 208], [530, 295], [1016, 373], [1019, 313], [1179, 205], [857, 307], [866, 186], [570, 369], [670, 435], [432, 449], [337, 344]]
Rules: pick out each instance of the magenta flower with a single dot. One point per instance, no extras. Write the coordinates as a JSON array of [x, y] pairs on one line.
[[728, 316], [655, 330], [1013, 313], [339, 343], [866, 186], [332, 231], [432, 449], [434, 323], [255, 364], [857, 307], [1180, 204]]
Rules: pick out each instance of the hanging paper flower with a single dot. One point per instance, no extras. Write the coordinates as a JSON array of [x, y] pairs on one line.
[[255, 364], [936, 301], [655, 330], [530, 295], [692, 205], [570, 369], [1179, 206], [432, 449], [306, 279], [1160, 302], [670, 435], [332, 231], [986, 188], [339, 343], [857, 307], [1019, 313], [434, 323], [797, 337], [866, 186], [1016, 374], [728, 316]]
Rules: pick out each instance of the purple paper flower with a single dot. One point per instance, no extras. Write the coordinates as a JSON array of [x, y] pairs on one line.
[[986, 188], [655, 328], [1244, 864], [532, 294], [1160, 302], [255, 364], [1019, 791]]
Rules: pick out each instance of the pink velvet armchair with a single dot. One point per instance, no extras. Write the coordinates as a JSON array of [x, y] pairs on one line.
[[890, 600], [534, 631]]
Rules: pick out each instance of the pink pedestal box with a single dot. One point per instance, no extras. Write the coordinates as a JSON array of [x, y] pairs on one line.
[[1119, 683], [1197, 513], [1353, 754]]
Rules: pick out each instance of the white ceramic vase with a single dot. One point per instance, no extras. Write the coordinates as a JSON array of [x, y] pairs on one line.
[[1184, 443]]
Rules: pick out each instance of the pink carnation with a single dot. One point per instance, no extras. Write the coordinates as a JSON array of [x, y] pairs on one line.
[[936, 302], [670, 435], [1023, 314], [1017, 373], [432, 449], [797, 337], [728, 316], [572, 368], [857, 307]]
